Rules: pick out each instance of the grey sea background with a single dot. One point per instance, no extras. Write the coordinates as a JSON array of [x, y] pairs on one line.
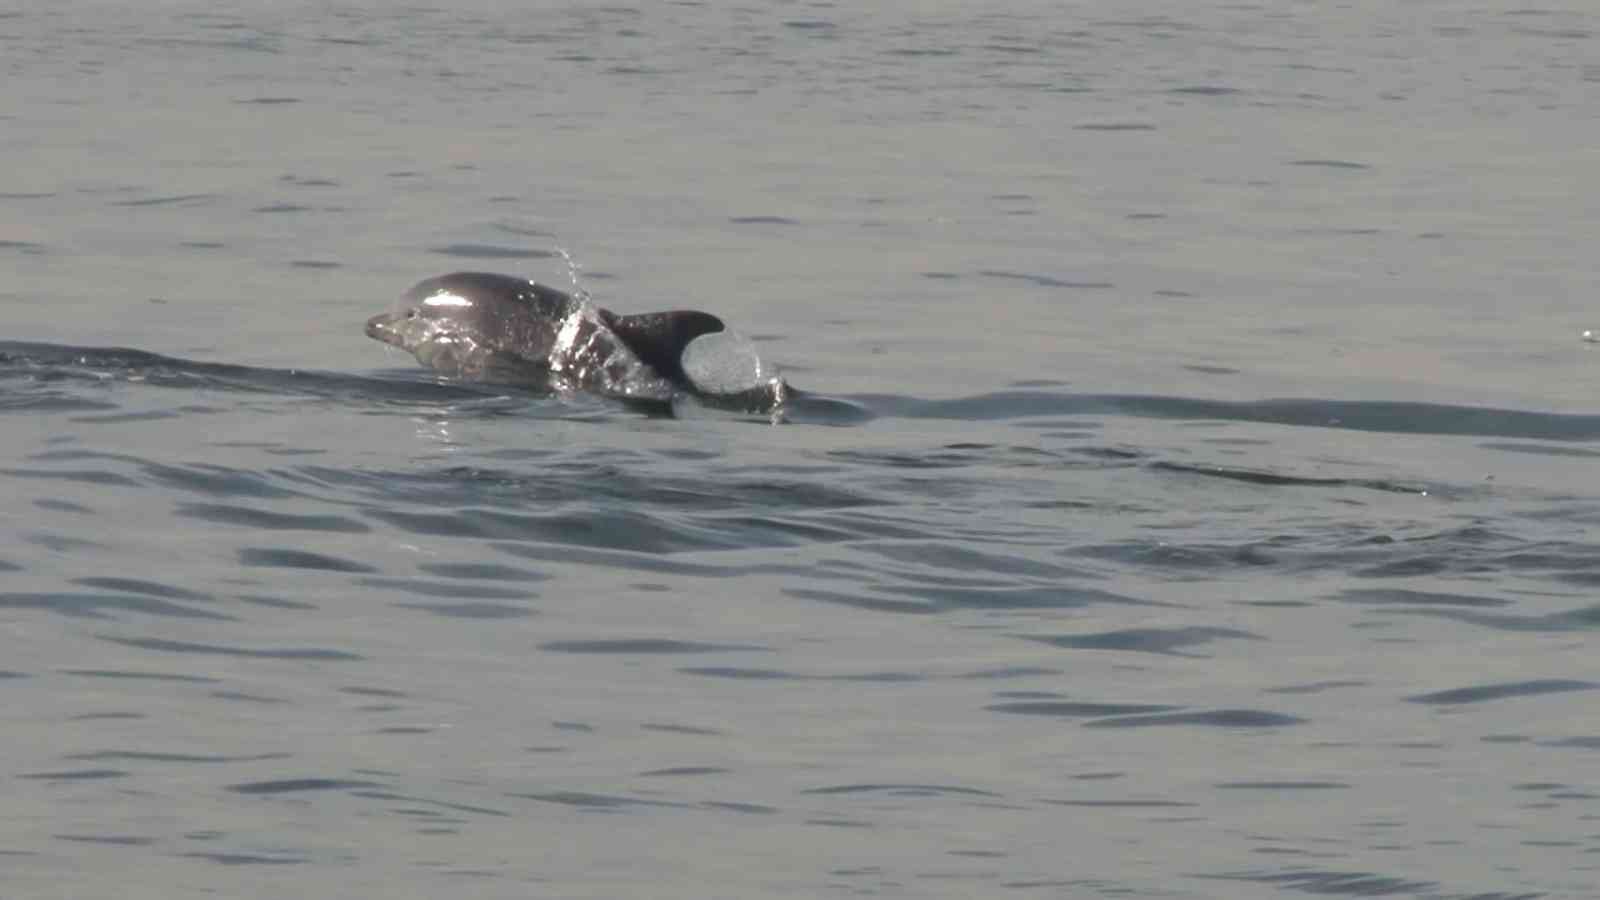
[[1224, 523]]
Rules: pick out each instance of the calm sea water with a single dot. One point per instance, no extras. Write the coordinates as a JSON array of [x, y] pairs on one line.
[[1222, 524]]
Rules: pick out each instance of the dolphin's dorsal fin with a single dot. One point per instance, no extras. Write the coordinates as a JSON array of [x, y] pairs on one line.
[[658, 339]]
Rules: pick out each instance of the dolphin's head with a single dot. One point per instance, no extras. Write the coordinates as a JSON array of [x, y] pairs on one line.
[[462, 323]]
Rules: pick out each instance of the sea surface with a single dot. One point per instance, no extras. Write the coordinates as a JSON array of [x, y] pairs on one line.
[[1219, 519]]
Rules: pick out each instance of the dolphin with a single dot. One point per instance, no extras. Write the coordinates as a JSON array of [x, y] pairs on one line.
[[485, 327]]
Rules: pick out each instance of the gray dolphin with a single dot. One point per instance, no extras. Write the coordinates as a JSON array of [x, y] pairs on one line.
[[482, 326]]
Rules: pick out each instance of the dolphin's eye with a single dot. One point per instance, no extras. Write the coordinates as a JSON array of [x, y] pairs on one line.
[[411, 314]]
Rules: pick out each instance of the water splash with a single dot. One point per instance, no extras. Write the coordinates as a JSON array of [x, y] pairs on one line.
[[574, 273]]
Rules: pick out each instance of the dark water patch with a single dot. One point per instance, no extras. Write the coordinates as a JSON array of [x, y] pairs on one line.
[[298, 559], [1204, 90], [472, 610], [96, 477], [138, 676], [302, 653], [186, 758], [448, 589], [76, 775], [1539, 449], [216, 480], [898, 459], [585, 800], [246, 859], [748, 808], [1338, 232], [1211, 370], [489, 251], [693, 730], [248, 517], [1124, 804], [1393, 417], [876, 677], [810, 25], [681, 771], [6, 674], [861, 601], [1584, 742], [762, 220], [900, 790], [140, 586], [1062, 597], [754, 674], [441, 804], [1070, 709], [1402, 597], [1481, 693], [776, 531], [1314, 688], [930, 600], [1322, 882], [1216, 718], [203, 245], [632, 530], [283, 208], [11, 566], [740, 673], [173, 200], [272, 602], [1330, 164], [92, 606], [929, 51], [111, 840], [1406, 568], [91, 365], [1114, 126], [124, 418], [1585, 618], [1166, 641], [318, 264], [1043, 280], [297, 785], [49, 401], [644, 646], [268, 101], [941, 276], [27, 247], [301, 181], [60, 543], [1281, 785], [1274, 479], [482, 571], [242, 697], [619, 477], [949, 555], [1007, 672], [374, 692], [19, 195]]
